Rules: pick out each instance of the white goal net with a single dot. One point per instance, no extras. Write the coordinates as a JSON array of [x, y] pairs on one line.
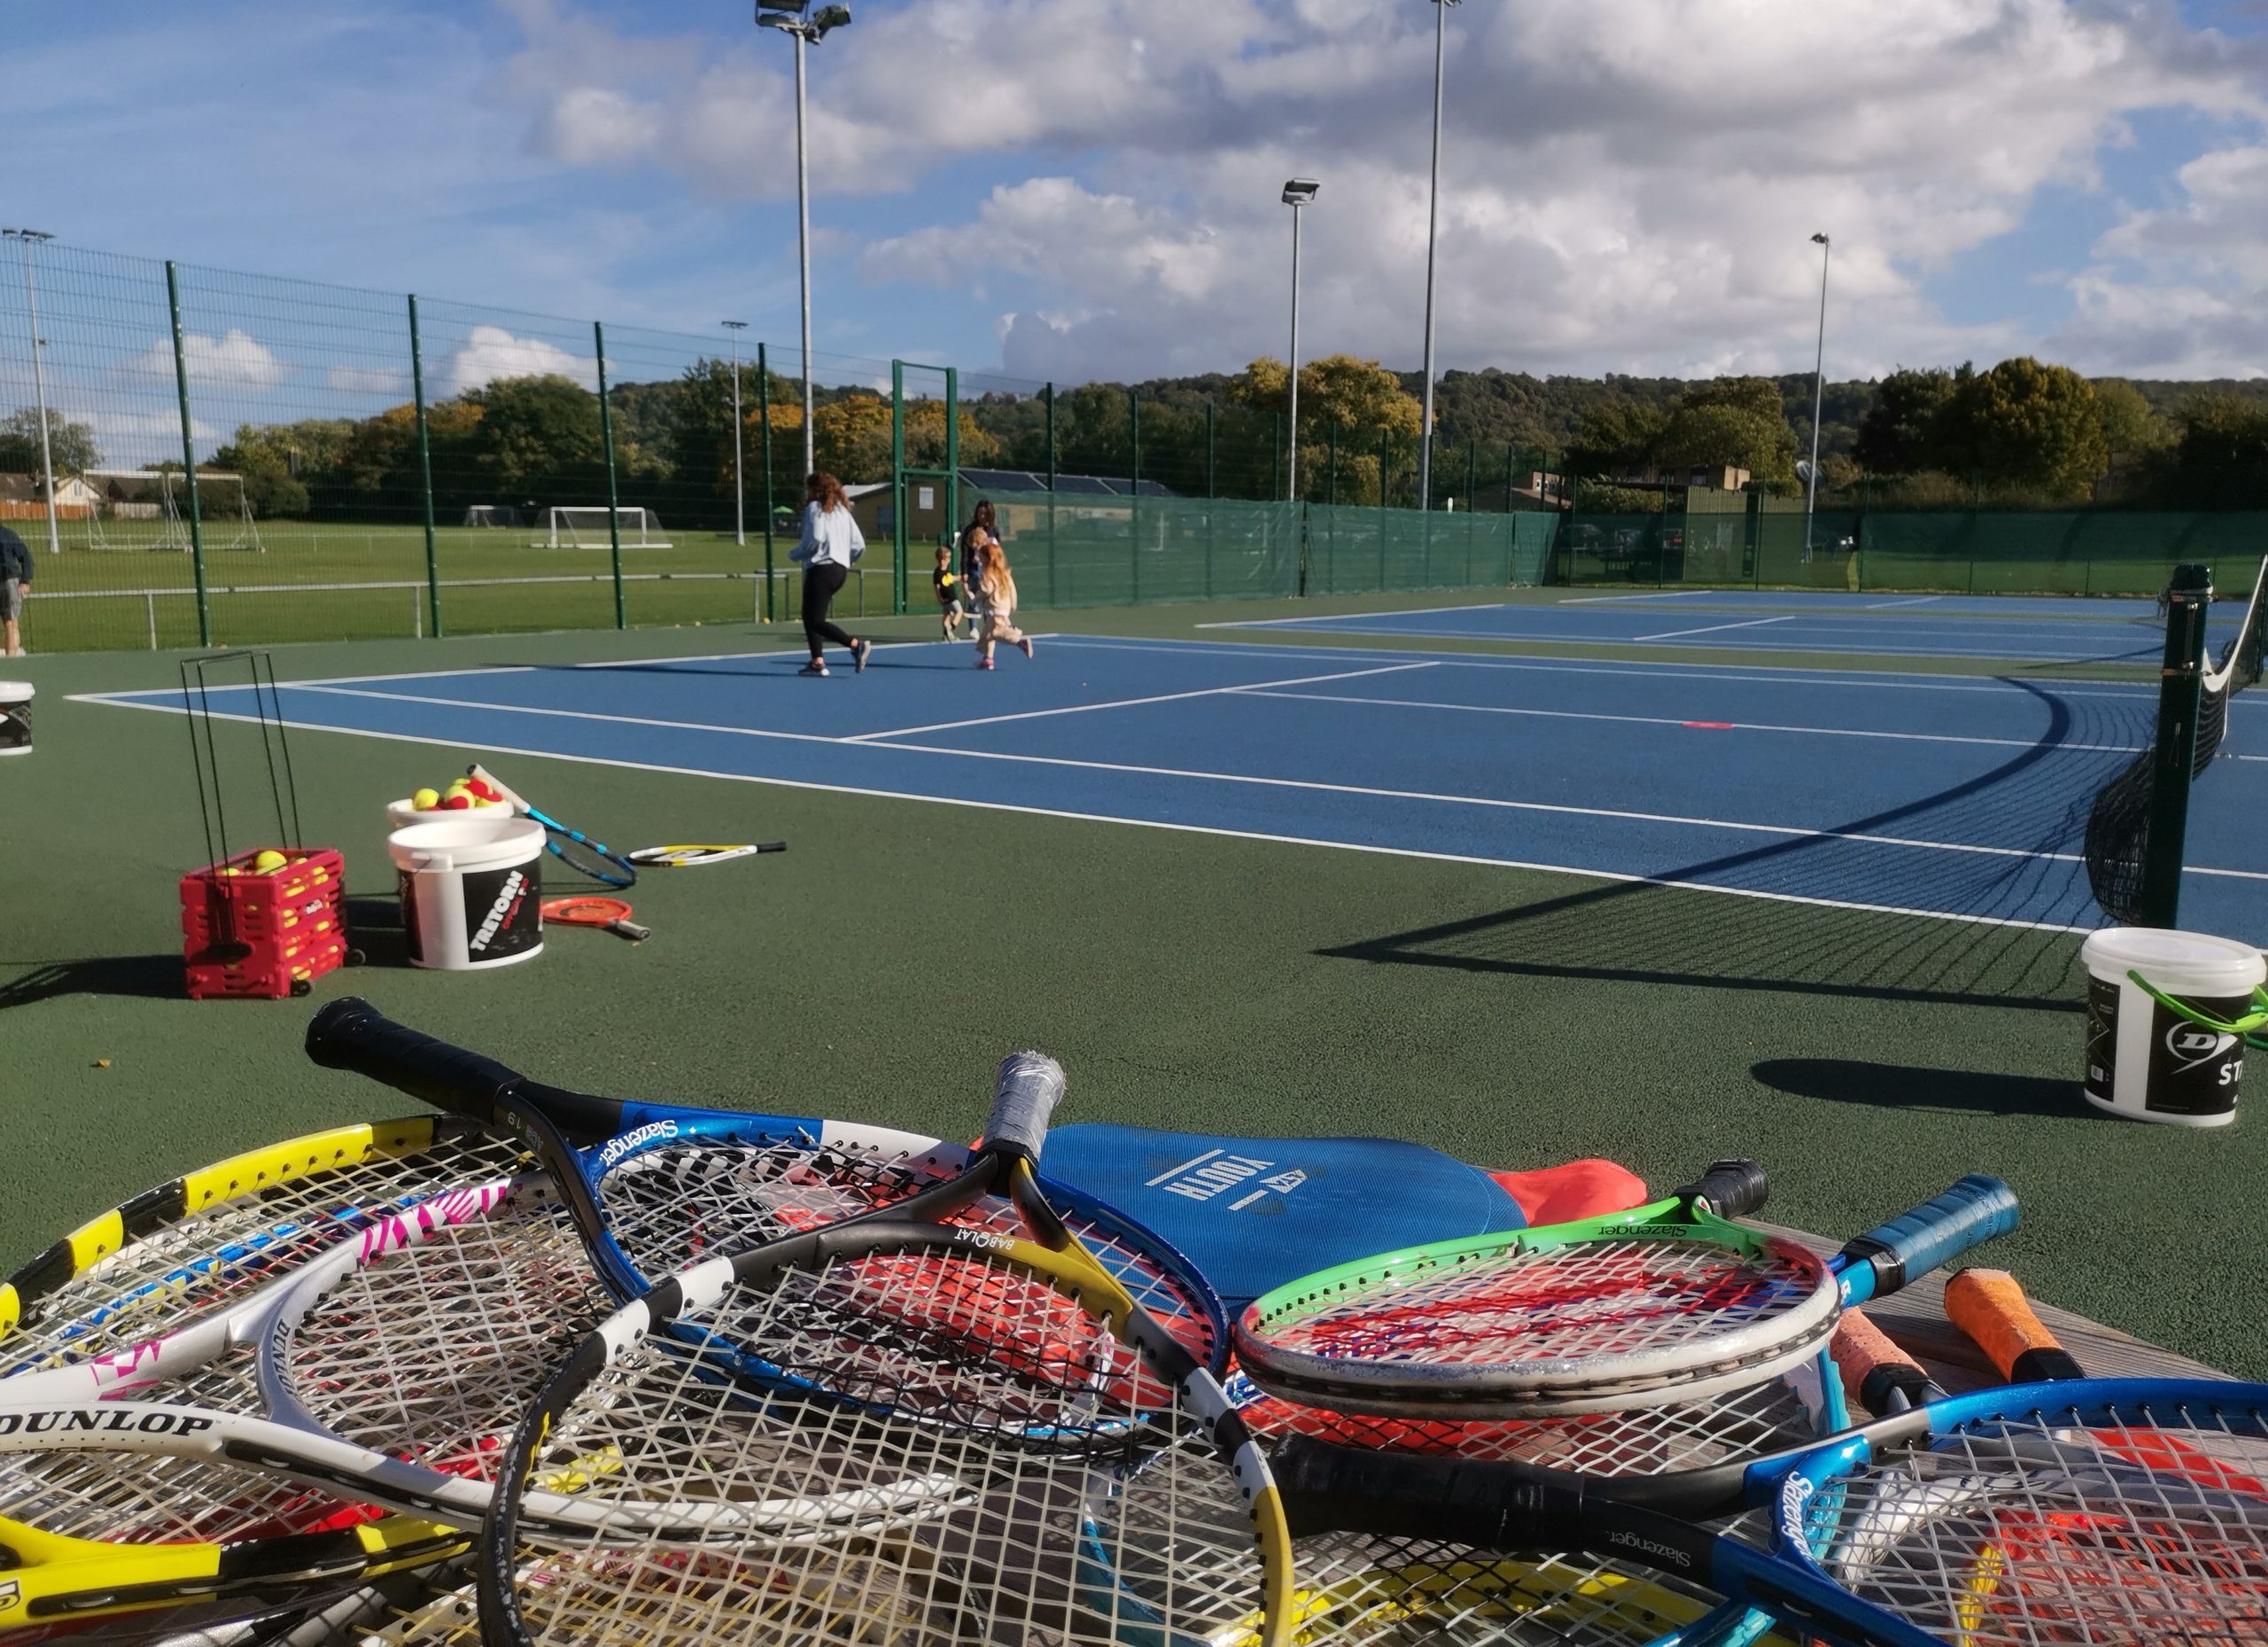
[[145, 509], [585, 527]]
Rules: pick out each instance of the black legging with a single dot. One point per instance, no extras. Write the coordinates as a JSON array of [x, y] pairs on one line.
[[821, 585]]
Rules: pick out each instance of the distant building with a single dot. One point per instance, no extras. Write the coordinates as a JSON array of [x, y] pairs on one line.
[[23, 498], [1699, 478]]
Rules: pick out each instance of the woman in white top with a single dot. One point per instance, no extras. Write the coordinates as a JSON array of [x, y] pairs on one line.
[[830, 542]]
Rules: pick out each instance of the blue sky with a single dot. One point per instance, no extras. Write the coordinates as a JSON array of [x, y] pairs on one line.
[[1082, 187]]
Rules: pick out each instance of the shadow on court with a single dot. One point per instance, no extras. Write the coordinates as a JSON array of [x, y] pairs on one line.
[[149, 976], [1792, 936], [1898, 1086]]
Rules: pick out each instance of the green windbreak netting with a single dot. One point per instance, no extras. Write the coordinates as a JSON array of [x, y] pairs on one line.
[[1099, 550], [1356, 550]]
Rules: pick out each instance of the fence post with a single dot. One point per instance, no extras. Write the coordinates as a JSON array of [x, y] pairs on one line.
[[424, 468], [1386, 446], [1212, 487], [952, 471], [764, 424], [1276, 456], [1134, 504], [188, 459], [1049, 391], [613, 501], [897, 510]]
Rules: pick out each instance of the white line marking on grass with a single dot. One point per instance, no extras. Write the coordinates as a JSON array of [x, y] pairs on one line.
[[1681, 720], [1331, 617], [1130, 703], [1614, 876], [1752, 623]]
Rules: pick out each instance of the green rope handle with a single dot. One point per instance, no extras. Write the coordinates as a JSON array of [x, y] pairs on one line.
[[2247, 1027]]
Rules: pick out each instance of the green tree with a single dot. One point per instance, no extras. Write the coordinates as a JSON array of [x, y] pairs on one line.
[[1898, 435], [2027, 424], [1615, 436], [2221, 458], [1337, 390], [71, 445], [271, 488], [1727, 432], [2133, 433]]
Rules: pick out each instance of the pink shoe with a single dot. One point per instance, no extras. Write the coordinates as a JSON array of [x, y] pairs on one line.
[[984, 662]]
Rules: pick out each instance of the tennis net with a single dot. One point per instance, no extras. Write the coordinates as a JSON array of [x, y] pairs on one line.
[[2122, 846]]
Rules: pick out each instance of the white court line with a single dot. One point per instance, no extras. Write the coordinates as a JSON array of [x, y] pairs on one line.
[[1320, 618], [1883, 606], [1753, 623], [1615, 876], [1833, 648], [1682, 721], [1601, 600], [1304, 785], [1130, 703]]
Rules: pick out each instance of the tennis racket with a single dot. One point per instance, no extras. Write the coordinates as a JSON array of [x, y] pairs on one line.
[[1673, 1302], [194, 1244], [389, 1370], [698, 856], [2103, 1510], [966, 1437], [571, 846], [610, 914], [657, 1187]]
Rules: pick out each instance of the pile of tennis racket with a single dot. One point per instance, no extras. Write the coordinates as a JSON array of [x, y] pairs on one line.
[[547, 1367]]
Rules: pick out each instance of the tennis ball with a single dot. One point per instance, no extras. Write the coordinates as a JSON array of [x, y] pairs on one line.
[[425, 800], [459, 803], [269, 863]]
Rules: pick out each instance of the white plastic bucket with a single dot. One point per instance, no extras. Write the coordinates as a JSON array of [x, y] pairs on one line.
[[2151, 1064], [471, 891], [15, 718]]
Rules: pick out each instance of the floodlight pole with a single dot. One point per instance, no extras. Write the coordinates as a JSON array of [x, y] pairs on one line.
[[1433, 222], [740, 495], [1818, 392], [29, 239], [1297, 193], [804, 244]]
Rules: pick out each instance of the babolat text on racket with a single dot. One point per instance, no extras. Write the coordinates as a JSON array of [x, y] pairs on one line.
[[697, 857], [892, 1431], [654, 1188], [565, 843], [1672, 1301]]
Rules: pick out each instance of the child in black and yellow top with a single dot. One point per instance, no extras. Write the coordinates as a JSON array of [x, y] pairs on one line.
[[951, 612]]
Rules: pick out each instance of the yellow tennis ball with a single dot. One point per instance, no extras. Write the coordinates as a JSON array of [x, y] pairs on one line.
[[269, 863], [425, 800]]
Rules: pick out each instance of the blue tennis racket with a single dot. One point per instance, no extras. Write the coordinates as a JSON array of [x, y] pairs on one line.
[[569, 845]]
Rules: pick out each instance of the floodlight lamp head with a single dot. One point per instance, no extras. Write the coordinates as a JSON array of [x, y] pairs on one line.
[[798, 7], [735, 325], [1300, 191], [1818, 240], [828, 16]]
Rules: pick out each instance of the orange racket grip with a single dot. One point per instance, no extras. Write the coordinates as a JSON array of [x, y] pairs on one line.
[[1877, 1374], [1990, 1306]]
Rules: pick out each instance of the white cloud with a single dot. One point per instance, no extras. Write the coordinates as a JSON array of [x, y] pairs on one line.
[[234, 363], [1629, 184], [489, 353], [390, 381]]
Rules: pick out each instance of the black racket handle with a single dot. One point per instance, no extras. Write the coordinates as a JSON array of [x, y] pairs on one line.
[[353, 1035], [1730, 1188]]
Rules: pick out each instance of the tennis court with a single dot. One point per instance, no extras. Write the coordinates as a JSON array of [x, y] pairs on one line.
[[2011, 629], [1865, 789]]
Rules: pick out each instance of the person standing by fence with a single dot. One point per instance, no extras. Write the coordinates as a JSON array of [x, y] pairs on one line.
[[15, 584], [830, 543]]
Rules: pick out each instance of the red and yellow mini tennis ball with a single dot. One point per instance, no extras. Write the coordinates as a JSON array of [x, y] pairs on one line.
[[459, 801], [425, 800]]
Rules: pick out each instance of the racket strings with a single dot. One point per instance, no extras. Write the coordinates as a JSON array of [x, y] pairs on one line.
[[175, 1273], [893, 1483], [433, 1352], [2142, 1528], [1590, 1300]]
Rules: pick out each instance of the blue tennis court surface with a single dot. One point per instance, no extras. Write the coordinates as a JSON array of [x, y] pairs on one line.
[[2014, 629], [1962, 797]]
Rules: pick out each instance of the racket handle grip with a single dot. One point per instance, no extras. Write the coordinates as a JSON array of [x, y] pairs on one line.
[[1972, 1212], [351, 1033], [1731, 1189], [1990, 1306], [1024, 1094], [1877, 1374]]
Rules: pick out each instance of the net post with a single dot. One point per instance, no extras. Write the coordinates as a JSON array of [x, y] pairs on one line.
[[2180, 683], [613, 501], [897, 501], [188, 458], [764, 419], [424, 468]]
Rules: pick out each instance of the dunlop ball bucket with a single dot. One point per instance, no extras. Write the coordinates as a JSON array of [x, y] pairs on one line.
[[2150, 1064]]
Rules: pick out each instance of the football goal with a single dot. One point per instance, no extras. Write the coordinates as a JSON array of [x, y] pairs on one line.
[[491, 514], [585, 527], [144, 509]]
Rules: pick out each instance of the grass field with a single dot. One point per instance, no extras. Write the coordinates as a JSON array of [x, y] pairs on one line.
[[881, 966], [124, 600]]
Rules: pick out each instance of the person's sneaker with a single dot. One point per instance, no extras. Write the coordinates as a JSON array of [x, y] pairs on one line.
[[815, 667], [858, 652], [1026, 644], [984, 662]]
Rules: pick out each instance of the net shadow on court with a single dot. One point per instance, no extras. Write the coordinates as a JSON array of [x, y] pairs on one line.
[[1976, 951]]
